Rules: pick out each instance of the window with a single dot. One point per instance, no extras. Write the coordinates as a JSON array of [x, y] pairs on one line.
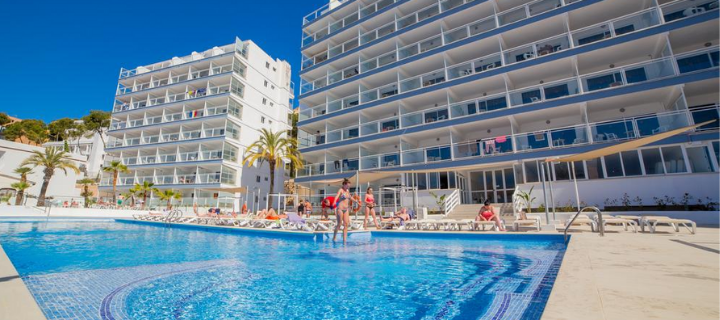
[[272, 87], [274, 69], [716, 148], [699, 158], [594, 168], [561, 171], [613, 165], [476, 181], [266, 83], [266, 178], [531, 172], [579, 170], [509, 179], [267, 65], [270, 122], [674, 160], [262, 119], [421, 181], [264, 101], [631, 163], [434, 178], [257, 179], [443, 180], [452, 180], [518, 172], [272, 104], [652, 161]]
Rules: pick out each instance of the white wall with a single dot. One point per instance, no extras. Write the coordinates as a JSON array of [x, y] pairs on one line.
[[594, 192], [12, 154]]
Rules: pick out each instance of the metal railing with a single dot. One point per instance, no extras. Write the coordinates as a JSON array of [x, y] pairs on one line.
[[600, 226]]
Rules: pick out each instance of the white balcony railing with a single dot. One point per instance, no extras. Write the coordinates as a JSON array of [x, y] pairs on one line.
[[703, 59], [601, 31], [582, 134]]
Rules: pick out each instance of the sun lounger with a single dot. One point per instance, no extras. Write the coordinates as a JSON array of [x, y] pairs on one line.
[[652, 221], [418, 224], [295, 222], [533, 222], [480, 225], [321, 225], [611, 220], [582, 220]]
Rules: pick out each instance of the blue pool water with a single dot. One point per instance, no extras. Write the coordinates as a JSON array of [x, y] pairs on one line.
[[105, 269]]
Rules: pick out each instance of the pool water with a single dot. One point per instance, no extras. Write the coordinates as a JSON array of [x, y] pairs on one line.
[[119, 270]]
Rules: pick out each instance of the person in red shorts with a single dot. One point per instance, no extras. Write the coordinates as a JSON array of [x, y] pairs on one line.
[[327, 204]]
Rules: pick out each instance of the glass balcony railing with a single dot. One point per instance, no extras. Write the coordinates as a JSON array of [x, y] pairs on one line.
[[591, 133], [194, 74], [681, 9], [601, 31], [171, 97], [238, 47], [366, 37], [483, 25], [704, 59]]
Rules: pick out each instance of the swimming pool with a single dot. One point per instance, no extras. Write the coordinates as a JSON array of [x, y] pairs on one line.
[[105, 269]]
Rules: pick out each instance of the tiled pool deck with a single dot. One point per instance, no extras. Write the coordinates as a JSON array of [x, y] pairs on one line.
[[619, 276]]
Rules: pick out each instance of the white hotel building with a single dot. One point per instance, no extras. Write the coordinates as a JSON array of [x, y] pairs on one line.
[[473, 93], [185, 123]]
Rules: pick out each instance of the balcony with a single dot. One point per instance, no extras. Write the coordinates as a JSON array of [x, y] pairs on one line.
[[170, 97], [175, 158], [702, 59], [238, 47], [483, 25], [175, 79], [583, 134], [193, 114], [168, 137], [601, 31]]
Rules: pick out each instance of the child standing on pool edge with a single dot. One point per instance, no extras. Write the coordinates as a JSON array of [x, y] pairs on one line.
[[342, 209]]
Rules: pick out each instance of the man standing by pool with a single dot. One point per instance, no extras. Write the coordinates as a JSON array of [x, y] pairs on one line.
[[327, 204]]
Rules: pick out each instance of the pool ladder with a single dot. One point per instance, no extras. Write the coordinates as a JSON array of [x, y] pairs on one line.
[[601, 227], [172, 215]]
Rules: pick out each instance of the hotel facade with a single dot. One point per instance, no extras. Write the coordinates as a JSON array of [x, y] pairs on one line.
[[469, 97], [185, 123]]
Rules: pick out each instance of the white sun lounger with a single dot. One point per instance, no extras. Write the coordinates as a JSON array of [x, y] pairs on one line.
[[533, 222], [582, 220], [652, 221], [610, 220]]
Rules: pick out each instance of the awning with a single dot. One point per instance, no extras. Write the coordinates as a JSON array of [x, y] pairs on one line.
[[625, 146], [459, 168]]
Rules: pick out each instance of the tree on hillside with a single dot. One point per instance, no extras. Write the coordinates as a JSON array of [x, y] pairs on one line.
[[51, 159], [4, 119], [76, 132], [97, 122], [27, 131], [60, 129]]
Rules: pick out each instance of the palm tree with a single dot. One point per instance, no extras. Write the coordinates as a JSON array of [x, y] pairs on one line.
[[86, 182], [275, 148], [51, 159], [23, 172], [20, 187], [145, 189], [169, 195], [131, 194], [116, 167]]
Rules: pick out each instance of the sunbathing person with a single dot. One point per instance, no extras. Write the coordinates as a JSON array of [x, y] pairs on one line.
[[487, 213], [401, 216]]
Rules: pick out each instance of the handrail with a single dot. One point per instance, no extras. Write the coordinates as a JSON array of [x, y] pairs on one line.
[[601, 228]]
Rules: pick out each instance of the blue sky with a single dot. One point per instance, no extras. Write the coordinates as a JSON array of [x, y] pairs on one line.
[[62, 58]]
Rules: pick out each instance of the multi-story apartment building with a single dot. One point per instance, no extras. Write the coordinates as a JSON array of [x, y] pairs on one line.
[[184, 123], [469, 97]]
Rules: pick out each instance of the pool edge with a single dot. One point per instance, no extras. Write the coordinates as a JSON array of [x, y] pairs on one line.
[[16, 301]]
